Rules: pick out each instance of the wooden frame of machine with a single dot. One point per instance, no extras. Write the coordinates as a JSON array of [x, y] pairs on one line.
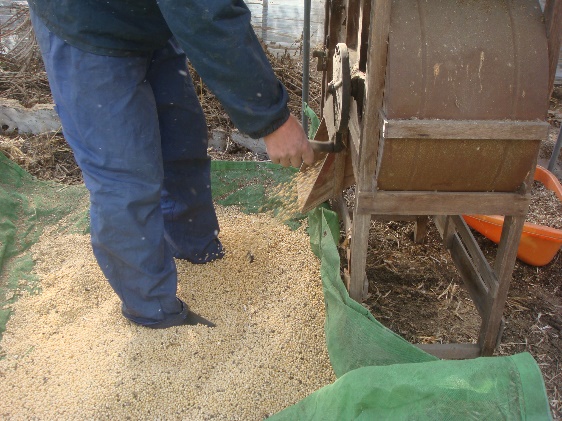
[[436, 109]]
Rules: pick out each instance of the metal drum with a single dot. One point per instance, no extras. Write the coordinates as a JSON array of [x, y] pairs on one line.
[[471, 61]]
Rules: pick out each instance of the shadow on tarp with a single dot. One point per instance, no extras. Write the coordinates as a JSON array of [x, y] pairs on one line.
[[380, 375]]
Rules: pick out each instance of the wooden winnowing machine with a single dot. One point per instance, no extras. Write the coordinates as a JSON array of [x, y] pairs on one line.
[[434, 109]]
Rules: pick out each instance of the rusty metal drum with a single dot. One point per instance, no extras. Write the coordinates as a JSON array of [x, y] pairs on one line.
[[463, 60]]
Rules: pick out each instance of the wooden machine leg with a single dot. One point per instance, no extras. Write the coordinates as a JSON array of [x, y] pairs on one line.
[[359, 243], [371, 128], [503, 268], [420, 231]]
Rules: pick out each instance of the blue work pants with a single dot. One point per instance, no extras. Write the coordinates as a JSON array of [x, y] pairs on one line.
[[139, 135]]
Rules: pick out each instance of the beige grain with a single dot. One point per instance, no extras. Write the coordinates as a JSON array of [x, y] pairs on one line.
[[71, 355]]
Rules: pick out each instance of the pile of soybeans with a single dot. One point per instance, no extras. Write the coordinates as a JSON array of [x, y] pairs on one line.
[[69, 354]]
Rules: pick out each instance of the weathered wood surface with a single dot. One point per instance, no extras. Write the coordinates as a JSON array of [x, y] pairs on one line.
[[452, 351], [490, 332], [480, 261], [553, 22], [374, 91], [441, 203], [503, 268], [472, 279], [420, 229], [453, 129]]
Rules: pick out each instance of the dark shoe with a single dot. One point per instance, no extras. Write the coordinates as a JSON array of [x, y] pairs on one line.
[[184, 317]]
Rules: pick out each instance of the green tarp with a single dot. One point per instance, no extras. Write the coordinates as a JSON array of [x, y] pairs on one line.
[[383, 377], [380, 375]]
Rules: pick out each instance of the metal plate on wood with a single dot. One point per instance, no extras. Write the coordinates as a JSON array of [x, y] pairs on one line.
[[467, 60], [455, 165]]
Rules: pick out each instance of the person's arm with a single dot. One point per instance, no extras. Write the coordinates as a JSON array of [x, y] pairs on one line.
[[220, 43]]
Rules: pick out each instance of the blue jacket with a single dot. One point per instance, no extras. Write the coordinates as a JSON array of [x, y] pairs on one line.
[[216, 35]]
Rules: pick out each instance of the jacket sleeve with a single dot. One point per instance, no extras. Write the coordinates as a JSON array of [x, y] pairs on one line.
[[219, 41]]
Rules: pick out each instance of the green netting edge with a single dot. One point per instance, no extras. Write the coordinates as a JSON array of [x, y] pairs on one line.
[[487, 388], [534, 396], [354, 337], [26, 207], [251, 186]]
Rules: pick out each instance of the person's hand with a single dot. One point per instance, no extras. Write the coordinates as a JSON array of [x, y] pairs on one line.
[[288, 145]]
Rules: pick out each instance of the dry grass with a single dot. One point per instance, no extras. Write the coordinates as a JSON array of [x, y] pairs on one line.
[[23, 78], [286, 68], [22, 75], [46, 156]]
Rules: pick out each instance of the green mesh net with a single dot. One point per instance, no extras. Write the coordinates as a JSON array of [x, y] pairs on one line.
[[380, 375], [26, 206]]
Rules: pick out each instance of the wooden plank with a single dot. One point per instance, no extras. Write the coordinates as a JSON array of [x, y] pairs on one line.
[[553, 21], [359, 242], [478, 258], [420, 231], [336, 31], [339, 170], [503, 267], [452, 351], [442, 203], [354, 138], [354, 126], [363, 41], [354, 162], [374, 91], [407, 218], [342, 210], [349, 174], [490, 330], [446, 228], [353, 25], [317, 186], [467, 129], [473, 282]]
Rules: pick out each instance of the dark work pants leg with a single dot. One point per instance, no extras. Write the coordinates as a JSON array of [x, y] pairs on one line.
[[189, 217], [139, 137]]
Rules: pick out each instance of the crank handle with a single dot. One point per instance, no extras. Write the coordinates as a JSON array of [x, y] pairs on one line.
[[335, 145]]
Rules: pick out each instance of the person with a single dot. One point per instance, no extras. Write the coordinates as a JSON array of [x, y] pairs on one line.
[[120, 83]]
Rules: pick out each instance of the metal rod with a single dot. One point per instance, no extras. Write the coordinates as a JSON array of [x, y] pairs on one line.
[[555, 152], [264, 16], [305, 61]]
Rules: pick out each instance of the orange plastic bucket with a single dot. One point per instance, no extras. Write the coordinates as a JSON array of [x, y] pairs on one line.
[[539, 244]]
